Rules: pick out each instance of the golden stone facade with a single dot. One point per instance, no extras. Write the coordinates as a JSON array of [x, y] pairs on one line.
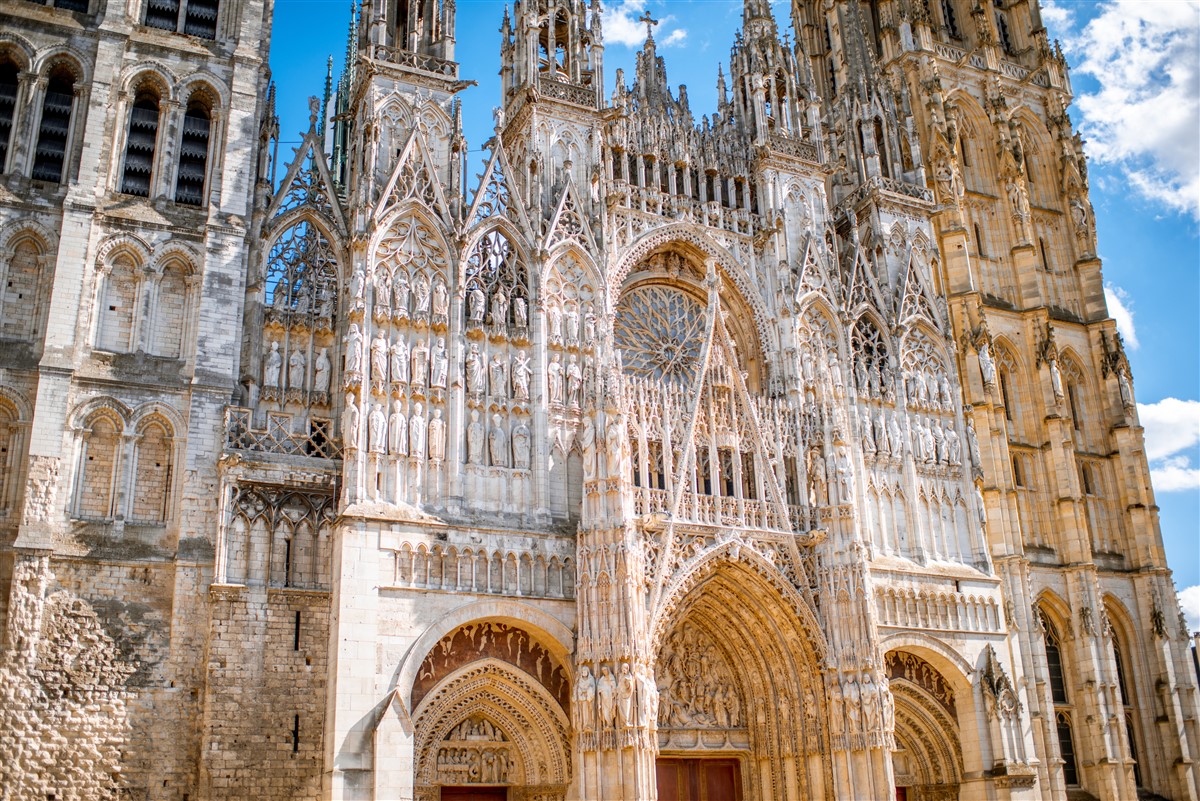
[[790, 453]]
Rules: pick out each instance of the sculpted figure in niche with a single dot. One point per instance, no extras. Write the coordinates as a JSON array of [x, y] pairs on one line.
[[416, 432], [614, 439], [647, 704], [520, 444], [1056, 382], [273, 367], [973, 446], [953, 446], [296, 370], [379, 351], [881, 436], [587, 442], [321, 371], [476, 300], [420, 290], [400, 293], [868, 434], [870, 704], [499, 375], [397, 431], [818, 490], [574, 381], [521, 374], [606, 697], [476, 370], [357, 284], [350, 433], [520, 312], [441, 298], [420, 363], [837, 709], [944, 391], [499, 308], [589, 326], [554, 373], [383, 292], [835, 373], [853, 705], [377, 429], [939, 442], [987, 365], [437, 436], [571, 323], [498, 441], [399, 360], [475, 439], [440, 363], [896, 436], [845, 477], [554, 316], [585, 700], [860, 375], [626, 695], [1126, 387], [873, 380]]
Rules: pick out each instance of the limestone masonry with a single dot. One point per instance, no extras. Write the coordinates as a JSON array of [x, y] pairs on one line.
[[785, 453]]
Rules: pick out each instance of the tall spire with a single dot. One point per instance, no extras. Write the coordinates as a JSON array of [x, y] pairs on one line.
[[325, 95]]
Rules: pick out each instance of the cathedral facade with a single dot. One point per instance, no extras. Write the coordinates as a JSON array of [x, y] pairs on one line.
[[788, 452]]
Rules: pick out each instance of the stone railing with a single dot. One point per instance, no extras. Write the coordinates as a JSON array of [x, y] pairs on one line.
[[946, 611], [788, 146], [567, 92], [318, 442], [493, 571], [710, 213], [417, 61], [715, 510]]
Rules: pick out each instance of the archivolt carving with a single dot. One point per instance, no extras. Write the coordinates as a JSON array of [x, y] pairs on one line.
[[513, 707]]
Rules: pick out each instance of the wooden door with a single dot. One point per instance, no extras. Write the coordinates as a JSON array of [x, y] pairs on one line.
[[474, 794], [699, 779]]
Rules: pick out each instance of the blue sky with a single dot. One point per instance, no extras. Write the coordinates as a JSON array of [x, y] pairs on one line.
[[1136, 74]]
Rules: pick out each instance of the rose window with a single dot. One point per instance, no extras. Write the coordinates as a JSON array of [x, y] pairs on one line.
[[659, 331]]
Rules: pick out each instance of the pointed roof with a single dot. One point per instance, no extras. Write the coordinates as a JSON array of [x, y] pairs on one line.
[[414, 178], [497, 195], [568, 224], [308, 183]]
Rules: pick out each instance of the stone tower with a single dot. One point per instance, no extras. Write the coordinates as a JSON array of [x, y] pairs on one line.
[[787, 451]]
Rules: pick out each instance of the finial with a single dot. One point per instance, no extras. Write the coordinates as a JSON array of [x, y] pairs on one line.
[[649, 22]]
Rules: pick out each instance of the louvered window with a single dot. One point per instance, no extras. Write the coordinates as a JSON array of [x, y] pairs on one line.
[[162, 14], [201, 18], [193, 157], [67, 5], [51, 151], [8, 107], [139, 148]]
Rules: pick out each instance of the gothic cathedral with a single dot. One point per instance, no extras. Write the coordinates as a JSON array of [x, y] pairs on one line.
[[787, 452]]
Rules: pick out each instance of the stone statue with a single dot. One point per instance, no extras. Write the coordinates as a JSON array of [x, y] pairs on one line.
[[321, 371], [845, 476], [520, 445], [554, 374], [626, 695], [554, 316], [520, 374], [476, 370], [835, 374], [647, 702], [896, 436], [420, 363], [475, 439], [382, 292], [587, 443], [379, 350], [296, 370], [1056, 381], [614, 442], [476, 300], [440, 363], [498, 442], [377, 430], [273, 367], [589, 326], [520, 312], [585, 700], [350, 432], [499, 375], [1126, 388], [416, 432], [499, 308], [574, 380], [357, 284], [441, 298], [437, 437], [399, 360], [881, 435], [397, 431], [606, 692], [987, 365], [953, 446], [571, 323], [400, 293], [973, 446], [420, 290]]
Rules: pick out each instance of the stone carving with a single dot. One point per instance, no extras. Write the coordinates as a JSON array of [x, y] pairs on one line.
[[399, 361], [350, 431], [498, 442], [554, 373], [397, 431], [439, 364], [321, 372], [377, 429], [379, 354], [420, 363], [273, 367], [476, 300], [499, 375], [520, 445], [697, 685], [416, 432], [521, 371], [354, 343], [476, 370], [441, 298], [437, 437], [296, 366], [475, 439]]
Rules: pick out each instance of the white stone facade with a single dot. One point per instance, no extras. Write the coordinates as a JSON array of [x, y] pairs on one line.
[[790, 453]]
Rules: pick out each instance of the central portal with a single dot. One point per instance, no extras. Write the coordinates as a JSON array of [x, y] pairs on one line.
[[681, 779]]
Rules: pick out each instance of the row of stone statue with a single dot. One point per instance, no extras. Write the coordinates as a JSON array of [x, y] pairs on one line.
[[494, 445], [395, 361], [857, 705], [413, 436], [397, 296], [932, 442], [491, 376], [496, 308], [297, 375], [473, 765], [569, 323], [627, 700], [568, 384]]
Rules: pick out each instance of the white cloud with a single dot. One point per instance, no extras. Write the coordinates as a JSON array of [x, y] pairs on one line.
[[1117, 300], [1145, 57], [1172, 426], [1057, 18], [1189, 600], [622, 26]]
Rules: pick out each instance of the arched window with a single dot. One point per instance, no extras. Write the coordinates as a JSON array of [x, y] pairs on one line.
[[1054, 665], [8, 106], [193, 154], [950, 20], [1066, 747], [19, 318], [493, 268], [199, 16], [152, 473], [1003, 32], [170, 310], [163, 14], [10, 458], [140, 144], [97, 471], [50, 154], [118, 301], [1058, 696]]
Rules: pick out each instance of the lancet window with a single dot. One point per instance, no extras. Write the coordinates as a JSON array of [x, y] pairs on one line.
[[9, 84], [276, 537], [20, 312], [54, 130], [497, 283], [10, 455], [141, 140], [98, 465], [872, 371], [193, 154]]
